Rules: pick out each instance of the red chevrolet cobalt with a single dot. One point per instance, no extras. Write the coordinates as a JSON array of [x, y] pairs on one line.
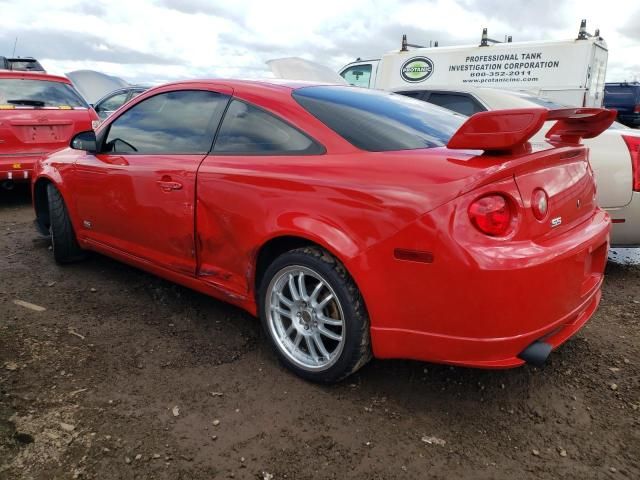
[[355, 223], [39, 114]]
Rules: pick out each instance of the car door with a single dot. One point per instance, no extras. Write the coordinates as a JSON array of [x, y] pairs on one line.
[[136, 195], [252, 145]]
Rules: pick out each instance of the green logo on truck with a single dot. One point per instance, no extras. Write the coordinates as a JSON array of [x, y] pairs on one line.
[[416, 69]]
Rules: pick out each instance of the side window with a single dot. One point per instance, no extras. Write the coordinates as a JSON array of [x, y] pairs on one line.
[[112, 103], [358, 75], [412, 93], [174, 122], [462, 104], [249, 130]]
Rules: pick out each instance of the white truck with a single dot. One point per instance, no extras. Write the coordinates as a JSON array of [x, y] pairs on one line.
[[571, 72]]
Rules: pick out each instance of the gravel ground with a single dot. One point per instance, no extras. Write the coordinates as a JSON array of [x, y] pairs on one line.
[[126, 376]]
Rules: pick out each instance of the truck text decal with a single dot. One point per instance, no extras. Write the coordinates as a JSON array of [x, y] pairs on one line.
[[416, 69], [506, 67]]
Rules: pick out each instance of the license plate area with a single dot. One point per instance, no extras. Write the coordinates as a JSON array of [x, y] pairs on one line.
[[42, 133], [17, 174]]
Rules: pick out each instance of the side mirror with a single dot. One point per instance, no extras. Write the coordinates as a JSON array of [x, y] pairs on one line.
[[85, 141]]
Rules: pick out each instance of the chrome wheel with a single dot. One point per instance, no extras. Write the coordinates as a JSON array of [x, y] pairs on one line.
[[305, 318]]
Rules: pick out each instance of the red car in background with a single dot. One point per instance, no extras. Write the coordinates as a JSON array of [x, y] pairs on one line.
[[354, 222], [39, 114]]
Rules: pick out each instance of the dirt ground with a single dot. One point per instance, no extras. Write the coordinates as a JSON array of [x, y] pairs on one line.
[[126, 376]]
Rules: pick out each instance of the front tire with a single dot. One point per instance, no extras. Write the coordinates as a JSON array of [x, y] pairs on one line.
[[63, 238], [314, 315]]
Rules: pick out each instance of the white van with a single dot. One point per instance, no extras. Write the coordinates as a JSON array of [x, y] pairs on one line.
[[571, 72]]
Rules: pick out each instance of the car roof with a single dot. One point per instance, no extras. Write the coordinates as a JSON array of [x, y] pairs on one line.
[[27, 59], [268, 83], [623, 84], [25, 75]]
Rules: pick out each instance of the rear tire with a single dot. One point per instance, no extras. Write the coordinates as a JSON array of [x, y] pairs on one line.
[[63, 238], [314, 315]]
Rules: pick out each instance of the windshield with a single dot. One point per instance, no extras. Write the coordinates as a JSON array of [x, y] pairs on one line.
[[379, 121], [38, 93]]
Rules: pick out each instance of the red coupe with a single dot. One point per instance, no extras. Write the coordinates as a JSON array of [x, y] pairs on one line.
[[355, 223], [39, 114]]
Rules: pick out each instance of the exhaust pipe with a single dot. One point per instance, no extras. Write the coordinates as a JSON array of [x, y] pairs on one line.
[[536, 353], [7, 185]]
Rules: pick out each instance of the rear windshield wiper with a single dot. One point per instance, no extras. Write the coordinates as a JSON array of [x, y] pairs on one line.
[[26, 101]]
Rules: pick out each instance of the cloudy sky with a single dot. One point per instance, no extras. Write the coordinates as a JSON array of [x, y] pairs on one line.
[[158, 40]]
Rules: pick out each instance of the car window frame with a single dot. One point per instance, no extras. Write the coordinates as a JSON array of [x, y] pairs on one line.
[[321, 149], [126, 93], [102, 135]]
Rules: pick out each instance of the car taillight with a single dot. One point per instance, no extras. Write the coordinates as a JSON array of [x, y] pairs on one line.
[[492, 215], [539, 203], [637, 109], [633, 144]]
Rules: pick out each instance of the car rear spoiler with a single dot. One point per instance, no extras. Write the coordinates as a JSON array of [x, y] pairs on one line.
[[509, 130]]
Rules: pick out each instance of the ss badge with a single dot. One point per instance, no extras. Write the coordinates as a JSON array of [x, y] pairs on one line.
[[556, 222]]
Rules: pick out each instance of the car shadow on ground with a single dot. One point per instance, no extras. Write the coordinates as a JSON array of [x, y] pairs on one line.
[[18, 195], [202, 331]]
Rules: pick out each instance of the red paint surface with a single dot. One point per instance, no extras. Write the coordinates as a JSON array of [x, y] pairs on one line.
[[479, 302], [27, 134]]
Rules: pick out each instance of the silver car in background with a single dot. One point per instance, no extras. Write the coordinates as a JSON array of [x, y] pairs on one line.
[[114, 100]]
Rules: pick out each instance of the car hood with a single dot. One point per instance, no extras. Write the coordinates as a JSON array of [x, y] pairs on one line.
[[94, 85]]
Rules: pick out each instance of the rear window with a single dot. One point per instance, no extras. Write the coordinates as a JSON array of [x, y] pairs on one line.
[[379, 121], [38, 93], [24, 64]]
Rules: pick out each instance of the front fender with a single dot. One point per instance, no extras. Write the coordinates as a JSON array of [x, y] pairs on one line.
[[54, 169]]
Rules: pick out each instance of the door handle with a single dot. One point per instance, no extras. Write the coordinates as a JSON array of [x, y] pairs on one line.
[[168, 185]]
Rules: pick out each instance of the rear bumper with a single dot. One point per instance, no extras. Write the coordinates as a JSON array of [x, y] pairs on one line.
[[482, 306], [491, 353], [625, 230], [17, 168]]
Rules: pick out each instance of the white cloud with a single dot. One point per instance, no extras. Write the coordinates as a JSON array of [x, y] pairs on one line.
[[160, 40]]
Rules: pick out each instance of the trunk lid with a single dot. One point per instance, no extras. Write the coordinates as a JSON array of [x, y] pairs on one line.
[[567, 179], [563, 172], [36, 130], [39, 113]]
